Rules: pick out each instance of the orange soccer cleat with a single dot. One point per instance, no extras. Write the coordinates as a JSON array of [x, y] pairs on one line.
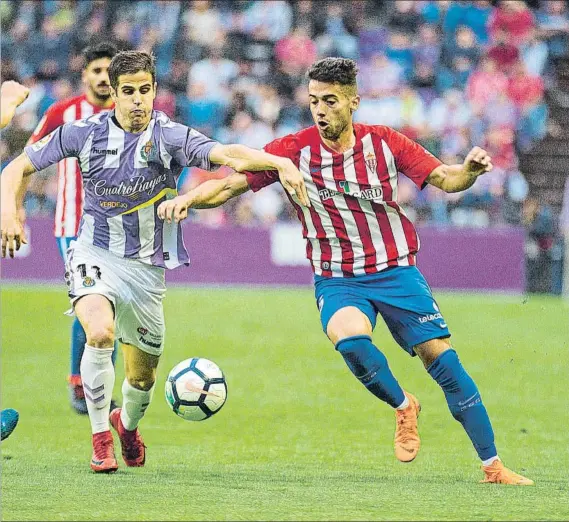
[[407, 441], [497, 473], [133, 449], [103, 460]]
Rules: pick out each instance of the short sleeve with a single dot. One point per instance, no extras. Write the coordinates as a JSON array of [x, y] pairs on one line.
[[188, 147], [63, 142], [49, 122], [283, 147], [411, 159]]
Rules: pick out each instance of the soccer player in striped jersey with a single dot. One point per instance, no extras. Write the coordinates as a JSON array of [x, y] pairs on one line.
[[362, 248], [69, 203], [130, 159], [12, 94]]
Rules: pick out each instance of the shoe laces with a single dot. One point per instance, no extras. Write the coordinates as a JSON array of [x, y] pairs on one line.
[[405, 430]]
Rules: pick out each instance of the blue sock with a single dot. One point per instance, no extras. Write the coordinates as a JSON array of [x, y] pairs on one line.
[[464, 402], [370, 366], [78, 341]]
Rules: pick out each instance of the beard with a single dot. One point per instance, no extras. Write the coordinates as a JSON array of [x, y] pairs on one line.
[[333, 133], [100, 95]]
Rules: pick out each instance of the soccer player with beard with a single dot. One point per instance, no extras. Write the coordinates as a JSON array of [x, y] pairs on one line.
[[130, 159], [362, 248], [69, 204]]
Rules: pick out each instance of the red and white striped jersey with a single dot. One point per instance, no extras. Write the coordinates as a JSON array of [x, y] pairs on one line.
[[354, 226], [69, 205]]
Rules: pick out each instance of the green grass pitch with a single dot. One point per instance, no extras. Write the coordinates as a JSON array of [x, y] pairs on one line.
[[299, 437]]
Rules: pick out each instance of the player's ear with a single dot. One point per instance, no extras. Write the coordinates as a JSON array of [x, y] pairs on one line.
[[355, 102]]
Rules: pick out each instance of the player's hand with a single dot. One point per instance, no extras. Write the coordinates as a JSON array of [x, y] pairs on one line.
[[14, 92], [293, 182], [477, 162], [12, 233], [175, 209], [22, 218]]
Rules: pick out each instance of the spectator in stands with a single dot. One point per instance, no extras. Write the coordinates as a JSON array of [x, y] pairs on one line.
[[514, 18], [485, 83], [553, 24]]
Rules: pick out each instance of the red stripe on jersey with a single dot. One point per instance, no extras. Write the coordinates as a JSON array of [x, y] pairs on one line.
[[408, 228], [361, 221], [325, 248], [359, 217], [386, 233], [381, 168]]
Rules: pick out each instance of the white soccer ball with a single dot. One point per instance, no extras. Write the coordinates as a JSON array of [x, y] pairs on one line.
[[196, 389]]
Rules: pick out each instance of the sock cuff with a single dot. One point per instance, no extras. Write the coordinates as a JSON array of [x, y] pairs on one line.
[[100, 355], [351, 339], [127, 388]]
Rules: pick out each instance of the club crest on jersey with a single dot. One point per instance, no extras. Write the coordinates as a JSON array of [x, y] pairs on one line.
[[371, 161], [146, 150]]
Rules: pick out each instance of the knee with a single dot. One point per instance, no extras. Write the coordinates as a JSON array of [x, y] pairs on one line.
[[101, 336], [348, 322], [141, 382]]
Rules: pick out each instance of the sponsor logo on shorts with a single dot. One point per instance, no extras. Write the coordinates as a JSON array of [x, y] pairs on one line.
[[141, 330], [88, 281], [149, 343], [433, 317]]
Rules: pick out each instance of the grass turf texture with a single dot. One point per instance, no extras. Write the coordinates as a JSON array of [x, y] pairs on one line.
[[299, 437]]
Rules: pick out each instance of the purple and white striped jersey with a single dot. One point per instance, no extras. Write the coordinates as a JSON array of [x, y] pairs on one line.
[[125, 177]]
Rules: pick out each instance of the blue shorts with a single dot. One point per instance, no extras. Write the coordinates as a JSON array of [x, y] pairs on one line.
[[400, 294], [63, 244]]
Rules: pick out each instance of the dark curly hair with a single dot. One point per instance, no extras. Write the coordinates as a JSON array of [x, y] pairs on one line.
[[130, 62], [99, 50], [334, 70]]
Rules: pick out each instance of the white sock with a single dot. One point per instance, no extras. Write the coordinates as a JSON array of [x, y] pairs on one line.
[[404, 404], [489, 461], [134, 404], [98, 377]]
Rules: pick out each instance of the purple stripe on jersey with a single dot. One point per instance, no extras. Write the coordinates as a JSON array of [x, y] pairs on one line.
[[132, 232], [101, 232], [183, 256], [158, 256]]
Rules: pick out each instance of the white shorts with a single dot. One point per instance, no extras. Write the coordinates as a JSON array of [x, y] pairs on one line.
[[135, 289]]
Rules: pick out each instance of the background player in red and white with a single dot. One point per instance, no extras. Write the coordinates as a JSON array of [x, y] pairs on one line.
[[69, 205], [362, 248]]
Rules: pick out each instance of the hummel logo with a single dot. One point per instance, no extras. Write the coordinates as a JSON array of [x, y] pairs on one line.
[[111, 152]]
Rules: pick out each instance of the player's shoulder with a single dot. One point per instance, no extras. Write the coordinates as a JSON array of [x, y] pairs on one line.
[[172, 132], [59, 107], [291, 144], [381, 131]]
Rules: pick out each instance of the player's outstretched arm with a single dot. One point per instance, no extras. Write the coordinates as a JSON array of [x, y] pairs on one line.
[[241, 158], [11, 227], [12, 94], [456, 178], [210, 194]]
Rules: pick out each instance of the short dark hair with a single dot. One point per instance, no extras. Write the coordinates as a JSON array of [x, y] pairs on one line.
[[99, 50], [334, 70], [131, 62]]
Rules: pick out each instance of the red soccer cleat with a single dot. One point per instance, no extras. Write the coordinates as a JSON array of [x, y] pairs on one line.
[[133, 449], [103, 460]]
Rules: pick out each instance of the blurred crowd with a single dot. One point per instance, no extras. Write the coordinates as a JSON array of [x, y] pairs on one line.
[[447, 74]]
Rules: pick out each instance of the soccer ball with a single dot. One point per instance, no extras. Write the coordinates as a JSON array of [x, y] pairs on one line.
[[196, 389]]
